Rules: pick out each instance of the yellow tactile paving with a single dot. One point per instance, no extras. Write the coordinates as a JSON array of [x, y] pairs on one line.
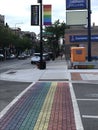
[[44, 116]]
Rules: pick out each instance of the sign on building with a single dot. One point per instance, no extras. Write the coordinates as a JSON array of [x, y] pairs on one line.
[[76, 12], [83, 38]]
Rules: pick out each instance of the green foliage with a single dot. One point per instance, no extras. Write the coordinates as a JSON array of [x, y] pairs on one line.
[[57, 30], [7, 37]]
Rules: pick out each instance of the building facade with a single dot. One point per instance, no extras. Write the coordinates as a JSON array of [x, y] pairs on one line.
[[2, 19], [78, 36]]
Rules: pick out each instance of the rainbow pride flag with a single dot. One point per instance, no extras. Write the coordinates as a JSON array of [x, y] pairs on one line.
[[47, 14]]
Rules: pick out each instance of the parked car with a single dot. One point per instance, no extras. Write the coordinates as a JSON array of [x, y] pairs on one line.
[[1, 57], [11, 56], [36, 58], [22, 56], [46, 56]]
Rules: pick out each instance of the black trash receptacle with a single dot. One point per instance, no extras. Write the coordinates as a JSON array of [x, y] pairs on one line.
[[41, 65]]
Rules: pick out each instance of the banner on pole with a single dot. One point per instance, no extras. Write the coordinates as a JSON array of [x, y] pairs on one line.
[[47, 14], [35, 15], [76, 4]]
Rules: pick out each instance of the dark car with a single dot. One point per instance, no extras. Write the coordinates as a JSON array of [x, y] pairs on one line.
[[1, 57], [92, 58], [22, 56]]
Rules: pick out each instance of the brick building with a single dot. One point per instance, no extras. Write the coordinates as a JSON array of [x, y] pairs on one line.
[[78, 36]]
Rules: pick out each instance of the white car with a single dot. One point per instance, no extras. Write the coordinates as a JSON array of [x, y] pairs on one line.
[[11, 56], [36, 58]]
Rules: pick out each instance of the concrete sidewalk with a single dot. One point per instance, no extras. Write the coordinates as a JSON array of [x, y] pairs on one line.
[[49, 103], [55, 70]]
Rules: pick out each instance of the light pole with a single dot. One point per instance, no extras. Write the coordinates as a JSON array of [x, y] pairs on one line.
[[89, 30], [42, 64]]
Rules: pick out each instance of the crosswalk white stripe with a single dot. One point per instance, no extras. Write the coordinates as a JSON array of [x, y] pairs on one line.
[[78, 121]]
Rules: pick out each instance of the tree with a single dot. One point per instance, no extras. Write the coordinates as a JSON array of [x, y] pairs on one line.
[[55, 31], [8, 39]]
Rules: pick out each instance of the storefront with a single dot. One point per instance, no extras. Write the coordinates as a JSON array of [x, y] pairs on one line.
[[78, 36]]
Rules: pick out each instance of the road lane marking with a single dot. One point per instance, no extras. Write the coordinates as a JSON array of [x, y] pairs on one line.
[[78, 120], [87, 99], [90, 116]]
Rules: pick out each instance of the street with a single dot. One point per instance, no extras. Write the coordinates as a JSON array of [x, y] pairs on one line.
[[15, 64], [86, 92], [9, 89], [87, 98]]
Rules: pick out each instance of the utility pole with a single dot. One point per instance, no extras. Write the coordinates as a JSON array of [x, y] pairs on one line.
[[89, 30], [42, 64], [41, 44]]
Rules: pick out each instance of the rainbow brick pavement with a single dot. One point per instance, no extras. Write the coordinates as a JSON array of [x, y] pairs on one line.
[[45, 106]]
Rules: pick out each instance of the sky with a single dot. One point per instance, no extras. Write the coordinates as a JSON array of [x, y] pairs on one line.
[[18, 12]]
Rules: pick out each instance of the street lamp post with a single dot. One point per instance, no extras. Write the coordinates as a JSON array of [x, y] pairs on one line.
[[41, 45], [89, 30], [42, 64]]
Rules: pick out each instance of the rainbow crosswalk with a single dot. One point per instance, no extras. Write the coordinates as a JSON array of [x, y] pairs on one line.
[[45, 106]]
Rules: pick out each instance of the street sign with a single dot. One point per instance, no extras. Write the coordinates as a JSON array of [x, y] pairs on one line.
[[76, 17], [83, 38]]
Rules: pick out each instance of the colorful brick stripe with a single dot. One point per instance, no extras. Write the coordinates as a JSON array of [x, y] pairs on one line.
[[17, 117], [62, 117], [45, 106], [44, 116]]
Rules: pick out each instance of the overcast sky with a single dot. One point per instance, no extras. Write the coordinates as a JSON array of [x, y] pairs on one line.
[[17, 12]]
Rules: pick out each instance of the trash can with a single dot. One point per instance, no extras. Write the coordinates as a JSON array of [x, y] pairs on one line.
[[41, 65]]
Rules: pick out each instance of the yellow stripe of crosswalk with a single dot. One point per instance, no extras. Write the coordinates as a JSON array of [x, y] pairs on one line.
[[44, 116]]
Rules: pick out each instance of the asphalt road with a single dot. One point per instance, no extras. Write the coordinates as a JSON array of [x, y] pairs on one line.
[[9, 90], [86, 93], [87, 98], [15, 64]]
